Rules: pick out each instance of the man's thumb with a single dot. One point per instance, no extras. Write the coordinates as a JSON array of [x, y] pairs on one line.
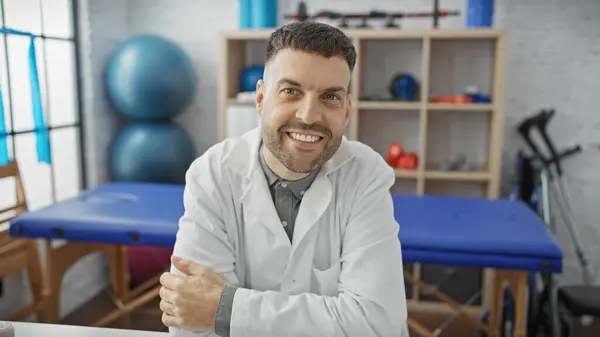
[[183, 265]]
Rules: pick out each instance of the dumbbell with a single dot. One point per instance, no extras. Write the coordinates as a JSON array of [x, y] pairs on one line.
[[398, 158], [408, 161]]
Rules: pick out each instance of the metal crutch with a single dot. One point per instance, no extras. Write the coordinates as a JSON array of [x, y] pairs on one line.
[[558, 188], [562, 195], [550, 283]]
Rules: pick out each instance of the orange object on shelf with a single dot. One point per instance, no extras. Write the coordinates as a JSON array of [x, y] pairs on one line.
[[459, 99]]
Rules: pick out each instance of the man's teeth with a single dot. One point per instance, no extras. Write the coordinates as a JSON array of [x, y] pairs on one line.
[[304, 138]]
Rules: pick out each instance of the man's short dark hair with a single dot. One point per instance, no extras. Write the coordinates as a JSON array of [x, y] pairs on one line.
[[312, 37]]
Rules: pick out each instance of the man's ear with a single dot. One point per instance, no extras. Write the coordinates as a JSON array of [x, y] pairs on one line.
[[260, 96]]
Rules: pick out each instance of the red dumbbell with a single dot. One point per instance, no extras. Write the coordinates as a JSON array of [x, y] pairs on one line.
[[395, 151], [408, 161]]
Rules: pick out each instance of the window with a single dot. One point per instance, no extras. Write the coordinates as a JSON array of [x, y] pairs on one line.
[[52, 24]]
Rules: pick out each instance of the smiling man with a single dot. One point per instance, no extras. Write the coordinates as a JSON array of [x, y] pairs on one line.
[[289, 230]]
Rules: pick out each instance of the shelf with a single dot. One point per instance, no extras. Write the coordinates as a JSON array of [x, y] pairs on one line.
[[480, 176], [406, 174], [458, 175], [392, 105], [388, 105], [460, 107], [461, 63], [382, 34]]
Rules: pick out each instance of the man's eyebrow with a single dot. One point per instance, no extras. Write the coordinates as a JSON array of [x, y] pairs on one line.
[[297, 84], [288, 81], [335, 89]]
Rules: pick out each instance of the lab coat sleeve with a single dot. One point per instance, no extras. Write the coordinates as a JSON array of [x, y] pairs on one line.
[[371, 300], [202, 237]]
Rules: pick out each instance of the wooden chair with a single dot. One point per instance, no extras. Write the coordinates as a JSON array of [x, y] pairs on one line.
[[17, 255]]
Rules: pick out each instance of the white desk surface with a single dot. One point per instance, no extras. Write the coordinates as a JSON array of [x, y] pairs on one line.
[[23, 329]]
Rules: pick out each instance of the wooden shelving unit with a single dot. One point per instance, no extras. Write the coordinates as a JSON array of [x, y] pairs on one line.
[[441, 60]]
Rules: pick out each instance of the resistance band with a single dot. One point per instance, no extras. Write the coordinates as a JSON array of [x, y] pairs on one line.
[[42, 137], [3, 135], [42, 140]]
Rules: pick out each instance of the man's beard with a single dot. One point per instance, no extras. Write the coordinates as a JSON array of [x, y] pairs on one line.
[[274, 141]]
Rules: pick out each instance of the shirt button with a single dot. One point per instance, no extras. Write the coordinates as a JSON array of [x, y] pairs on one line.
[[301, 192], [284, 185], [284, 223]]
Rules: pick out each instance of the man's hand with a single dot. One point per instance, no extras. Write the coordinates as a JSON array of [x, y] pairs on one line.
[[190, 301]]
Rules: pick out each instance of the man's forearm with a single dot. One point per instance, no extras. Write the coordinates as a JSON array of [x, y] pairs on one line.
[[223, 316], [275, 314]]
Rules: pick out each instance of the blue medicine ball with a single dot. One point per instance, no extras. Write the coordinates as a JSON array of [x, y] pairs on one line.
[[151, 152], [250, 76], [404, 87], [150, 78]]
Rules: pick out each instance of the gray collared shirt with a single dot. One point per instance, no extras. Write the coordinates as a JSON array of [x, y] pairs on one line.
[[287, 196]]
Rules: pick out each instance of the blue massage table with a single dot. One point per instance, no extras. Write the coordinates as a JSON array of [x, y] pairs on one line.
[[106, 219], [502, 235]]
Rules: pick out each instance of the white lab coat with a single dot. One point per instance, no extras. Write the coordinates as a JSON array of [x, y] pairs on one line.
[[341, 276]]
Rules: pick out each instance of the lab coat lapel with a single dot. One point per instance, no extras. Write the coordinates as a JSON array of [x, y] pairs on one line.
[[258, 202], [314, 203], [256, 197], [318, 197]]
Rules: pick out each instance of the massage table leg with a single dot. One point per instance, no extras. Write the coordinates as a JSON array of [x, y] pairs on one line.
[[60, 259], [127, 308], [456, 307], [419, 329], [37, 286], [518, 282], [496, 303], [142, 294]]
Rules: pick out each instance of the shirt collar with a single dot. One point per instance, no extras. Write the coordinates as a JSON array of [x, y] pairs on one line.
[[298, 187]]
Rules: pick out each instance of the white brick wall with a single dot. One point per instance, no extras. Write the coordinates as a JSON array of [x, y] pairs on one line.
[[554, 56]]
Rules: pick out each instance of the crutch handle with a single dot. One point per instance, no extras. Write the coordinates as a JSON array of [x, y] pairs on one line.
[[542, 126], [524, 129], [568, 152], [541, 117]]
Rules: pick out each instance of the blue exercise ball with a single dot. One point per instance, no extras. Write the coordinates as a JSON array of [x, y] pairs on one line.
[[151, 152], [250, 76], [150, 78]]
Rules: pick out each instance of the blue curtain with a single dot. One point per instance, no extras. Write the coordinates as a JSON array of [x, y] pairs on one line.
[[3, 135], [42, 139]]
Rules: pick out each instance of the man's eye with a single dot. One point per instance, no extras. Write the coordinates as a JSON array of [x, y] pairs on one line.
[[332, 97], [290, 91]]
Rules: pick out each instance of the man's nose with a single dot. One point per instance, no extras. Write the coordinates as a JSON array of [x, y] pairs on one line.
[[309, 112]]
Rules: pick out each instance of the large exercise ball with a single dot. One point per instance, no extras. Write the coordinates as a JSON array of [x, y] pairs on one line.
[[151, 152], [150, 78]]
